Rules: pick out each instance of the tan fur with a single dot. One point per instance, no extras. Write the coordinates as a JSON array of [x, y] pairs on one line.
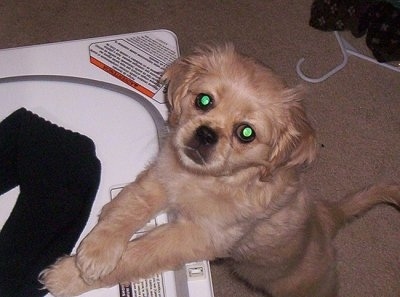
[[246, 201]]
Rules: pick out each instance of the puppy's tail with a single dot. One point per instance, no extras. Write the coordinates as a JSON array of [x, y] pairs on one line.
[[359, 203]]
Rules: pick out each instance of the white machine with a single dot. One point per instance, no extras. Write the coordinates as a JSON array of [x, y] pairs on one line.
[[107, 89]]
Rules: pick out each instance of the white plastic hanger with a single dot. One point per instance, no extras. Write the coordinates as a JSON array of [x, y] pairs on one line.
[[347, 50]]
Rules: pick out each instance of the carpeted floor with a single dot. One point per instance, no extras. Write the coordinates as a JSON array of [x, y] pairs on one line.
[[356, 112]]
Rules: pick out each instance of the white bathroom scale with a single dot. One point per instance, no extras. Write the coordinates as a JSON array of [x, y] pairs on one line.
[[108, 89]]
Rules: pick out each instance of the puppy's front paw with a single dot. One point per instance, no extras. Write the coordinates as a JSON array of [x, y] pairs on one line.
[[62, 279], [98, 257]]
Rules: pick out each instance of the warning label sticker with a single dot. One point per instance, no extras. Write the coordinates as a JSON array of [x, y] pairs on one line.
[[138, 61]]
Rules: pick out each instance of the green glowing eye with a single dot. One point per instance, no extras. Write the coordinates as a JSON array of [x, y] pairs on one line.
[[204, 101], [245, 133]]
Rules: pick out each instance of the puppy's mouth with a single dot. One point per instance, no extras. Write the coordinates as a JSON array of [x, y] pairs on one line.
[[201, 145]]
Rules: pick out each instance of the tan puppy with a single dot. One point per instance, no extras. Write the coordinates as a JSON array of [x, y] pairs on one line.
[[229, 174]]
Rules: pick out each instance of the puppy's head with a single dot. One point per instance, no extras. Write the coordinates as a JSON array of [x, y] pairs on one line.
[[228, 112]]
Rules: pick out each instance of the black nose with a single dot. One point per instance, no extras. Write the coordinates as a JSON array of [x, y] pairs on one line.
[[206, 136]]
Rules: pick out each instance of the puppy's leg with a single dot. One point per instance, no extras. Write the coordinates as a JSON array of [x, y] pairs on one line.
[[100, 251], [165, 248]]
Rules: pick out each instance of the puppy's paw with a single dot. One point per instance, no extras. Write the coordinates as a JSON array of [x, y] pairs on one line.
[[98, 257], [62, 279]]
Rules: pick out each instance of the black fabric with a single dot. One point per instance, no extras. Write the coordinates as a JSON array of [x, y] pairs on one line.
[[378, 20], [339, 15], [58, 174], [383, 37]]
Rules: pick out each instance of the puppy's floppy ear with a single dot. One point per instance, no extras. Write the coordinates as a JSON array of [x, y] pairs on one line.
[[178, 76], [173, 77], [294, 142]]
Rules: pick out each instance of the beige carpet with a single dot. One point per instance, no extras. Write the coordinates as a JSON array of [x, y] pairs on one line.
[[356, 112]]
